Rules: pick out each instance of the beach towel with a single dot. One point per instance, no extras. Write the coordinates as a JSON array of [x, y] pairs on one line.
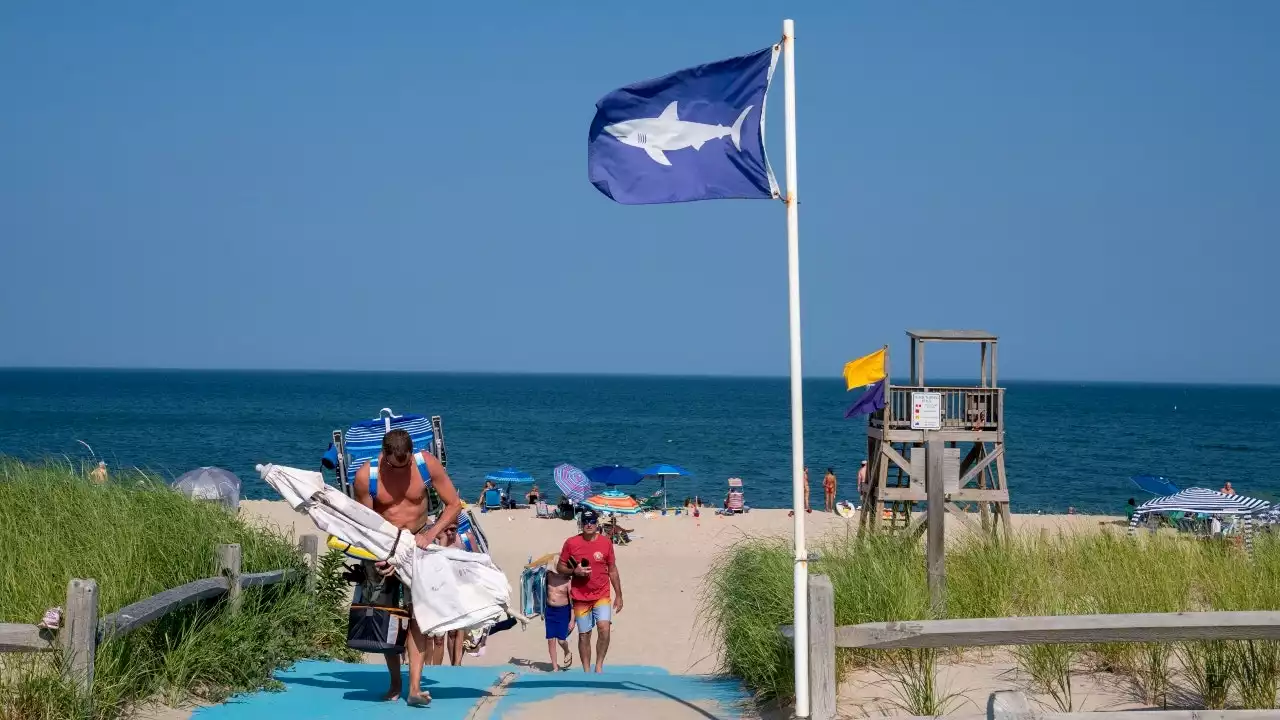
[[452, 589]]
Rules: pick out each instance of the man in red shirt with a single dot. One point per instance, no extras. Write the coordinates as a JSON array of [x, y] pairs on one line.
[[589, 558]]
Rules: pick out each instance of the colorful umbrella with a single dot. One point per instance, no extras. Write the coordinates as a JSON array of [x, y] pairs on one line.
[[572, 482], [613, 501]]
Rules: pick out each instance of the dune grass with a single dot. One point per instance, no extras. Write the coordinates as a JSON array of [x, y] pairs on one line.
[[879, 579], [137, 538]]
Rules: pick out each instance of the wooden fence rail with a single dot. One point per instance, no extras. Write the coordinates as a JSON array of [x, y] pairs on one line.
[[825, 637], [82, 630]]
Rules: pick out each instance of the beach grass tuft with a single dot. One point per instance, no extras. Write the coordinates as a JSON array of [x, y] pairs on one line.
[[880, 578], [137, 538]]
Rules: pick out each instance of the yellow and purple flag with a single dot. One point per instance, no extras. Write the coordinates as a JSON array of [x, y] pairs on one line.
[[865, 370]]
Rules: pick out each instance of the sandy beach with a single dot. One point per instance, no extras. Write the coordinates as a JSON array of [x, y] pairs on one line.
[[662, 570]]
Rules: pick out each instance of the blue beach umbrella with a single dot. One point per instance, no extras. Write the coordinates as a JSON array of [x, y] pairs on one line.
[[662, 471], [614, 475], [509, 475], [1154, 484]]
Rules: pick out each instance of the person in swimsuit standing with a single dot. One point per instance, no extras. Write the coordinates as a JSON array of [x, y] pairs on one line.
[[400, 497]]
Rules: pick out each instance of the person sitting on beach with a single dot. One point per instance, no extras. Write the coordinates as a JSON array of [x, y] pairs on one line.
[[590, 559], [558, 618], [533, 495], [488, 485], [1227, 489], [400, 497], [98, 475], [829, 491]]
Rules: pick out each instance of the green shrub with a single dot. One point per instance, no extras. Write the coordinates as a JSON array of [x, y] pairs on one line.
[[137, 538]]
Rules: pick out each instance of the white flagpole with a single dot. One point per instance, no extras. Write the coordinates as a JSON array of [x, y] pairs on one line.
[[801, 572]]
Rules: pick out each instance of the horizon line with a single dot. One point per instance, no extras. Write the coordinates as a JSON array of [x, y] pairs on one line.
[[603, 374]]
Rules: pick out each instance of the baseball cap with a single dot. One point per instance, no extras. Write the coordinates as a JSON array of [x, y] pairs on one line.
[[589, 517]]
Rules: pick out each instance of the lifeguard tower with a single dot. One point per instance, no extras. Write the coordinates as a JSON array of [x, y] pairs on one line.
[[966, 422]]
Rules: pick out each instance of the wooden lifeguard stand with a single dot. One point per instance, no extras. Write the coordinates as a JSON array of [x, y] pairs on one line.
[[956, 419]]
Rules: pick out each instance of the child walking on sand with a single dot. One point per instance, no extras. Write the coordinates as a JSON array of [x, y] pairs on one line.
[[558, 617]]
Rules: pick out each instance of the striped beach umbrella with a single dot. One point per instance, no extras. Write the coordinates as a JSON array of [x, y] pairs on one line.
[[613, 501], [572, 482]]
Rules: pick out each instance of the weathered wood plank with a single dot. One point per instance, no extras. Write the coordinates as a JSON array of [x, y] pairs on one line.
[[996, 495], [822, 648], [913, 493], [229, 567], [16, 637], [142, 612], [309, 546], [935, 551], [78, 635], [897, 459], [265, 578], [982, 463], [1142, 627]]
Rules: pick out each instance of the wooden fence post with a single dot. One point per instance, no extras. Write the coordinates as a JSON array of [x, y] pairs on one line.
[[1008, 705], [229, 567], [309, 546], [935, 518], [822, 648], [79, 633]]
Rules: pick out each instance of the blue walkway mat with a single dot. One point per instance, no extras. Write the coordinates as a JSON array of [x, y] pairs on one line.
[[323, 690]]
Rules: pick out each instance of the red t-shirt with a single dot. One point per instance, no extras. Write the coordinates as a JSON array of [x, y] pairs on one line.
[[599, 554]]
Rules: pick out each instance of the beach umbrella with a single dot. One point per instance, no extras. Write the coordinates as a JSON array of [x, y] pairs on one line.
[[572, 482], [613, 501], [210, 483], [662, 471], [1154, 484], [614, 475], [466, 589], [510, 476]]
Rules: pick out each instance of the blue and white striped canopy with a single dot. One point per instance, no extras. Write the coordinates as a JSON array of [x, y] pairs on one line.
[[1200, 500]]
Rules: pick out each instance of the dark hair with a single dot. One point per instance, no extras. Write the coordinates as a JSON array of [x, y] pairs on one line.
[[831, 470], [398, 445]]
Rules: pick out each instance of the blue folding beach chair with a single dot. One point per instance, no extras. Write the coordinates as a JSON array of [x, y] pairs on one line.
[[363, 442]]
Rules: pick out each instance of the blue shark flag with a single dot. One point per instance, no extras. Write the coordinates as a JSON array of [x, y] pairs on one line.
[[696, 134]]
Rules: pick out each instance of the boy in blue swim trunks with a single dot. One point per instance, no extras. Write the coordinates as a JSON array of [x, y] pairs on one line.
[[589, 558], [558, 617]]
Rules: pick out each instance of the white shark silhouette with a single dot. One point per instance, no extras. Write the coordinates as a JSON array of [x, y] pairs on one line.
[[668, 132]]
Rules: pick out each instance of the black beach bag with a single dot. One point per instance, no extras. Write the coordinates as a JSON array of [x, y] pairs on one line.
[[377, 622]]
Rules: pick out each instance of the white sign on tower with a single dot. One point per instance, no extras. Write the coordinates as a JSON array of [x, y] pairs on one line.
[[926, 411]]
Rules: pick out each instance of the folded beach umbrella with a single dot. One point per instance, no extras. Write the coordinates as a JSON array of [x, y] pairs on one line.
[[613, 501], [452, 589], [572, 482], [662, 471]]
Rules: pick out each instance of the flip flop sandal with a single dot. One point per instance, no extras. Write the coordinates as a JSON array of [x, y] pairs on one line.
[[568, 662]]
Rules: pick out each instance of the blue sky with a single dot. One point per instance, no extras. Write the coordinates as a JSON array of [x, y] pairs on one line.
[[403, 186]]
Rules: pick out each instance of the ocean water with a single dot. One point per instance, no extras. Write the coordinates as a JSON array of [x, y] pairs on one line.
[[1068, 445]]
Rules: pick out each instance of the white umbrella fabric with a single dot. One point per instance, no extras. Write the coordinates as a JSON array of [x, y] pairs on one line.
[[452, 589]]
